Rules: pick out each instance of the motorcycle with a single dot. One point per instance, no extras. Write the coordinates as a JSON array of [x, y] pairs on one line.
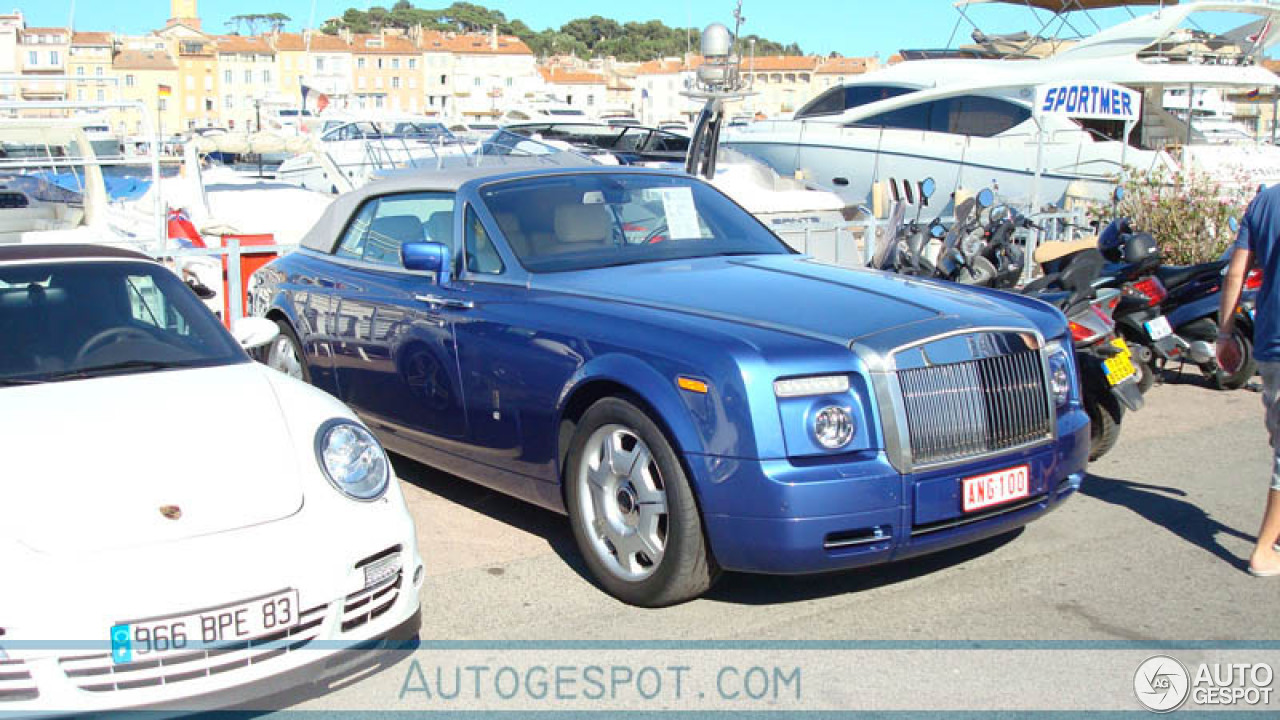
[[1108, 377]]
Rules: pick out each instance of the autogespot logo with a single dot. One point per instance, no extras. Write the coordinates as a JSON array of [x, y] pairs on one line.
[[1162, 684]]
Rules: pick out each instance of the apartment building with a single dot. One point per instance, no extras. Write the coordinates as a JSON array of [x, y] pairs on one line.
[[89, 64], [478, 75], [388, 72], [150, 76], [584, 90], [249, 81], [11, 26], [43, 52], [658, 84], [319, 61]]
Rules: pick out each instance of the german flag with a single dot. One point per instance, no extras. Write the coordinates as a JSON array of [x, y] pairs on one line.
[[164, 91]]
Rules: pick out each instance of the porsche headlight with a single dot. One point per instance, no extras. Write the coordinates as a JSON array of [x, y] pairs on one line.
[[352, 459], [1059, 373]]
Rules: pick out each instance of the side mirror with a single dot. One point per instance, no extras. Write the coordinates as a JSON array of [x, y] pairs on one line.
[[426, 257], [986, 198], [1118, 194], [254, 332], [937, 232], [1234, 224], [927, 188]]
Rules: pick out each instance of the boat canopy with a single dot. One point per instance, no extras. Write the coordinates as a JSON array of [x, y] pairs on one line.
[[1062, 6]]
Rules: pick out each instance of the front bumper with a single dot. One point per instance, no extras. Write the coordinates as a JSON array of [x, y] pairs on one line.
[[60, 657], [784, 518]]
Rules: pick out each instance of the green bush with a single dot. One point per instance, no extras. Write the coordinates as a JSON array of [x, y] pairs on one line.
[[1188, 213]]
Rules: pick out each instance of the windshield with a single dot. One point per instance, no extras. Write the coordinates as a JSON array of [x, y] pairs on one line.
[[579, 222], [73, 320]]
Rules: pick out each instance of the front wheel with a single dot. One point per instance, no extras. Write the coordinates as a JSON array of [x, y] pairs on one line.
[[285, 354], [632, 510]]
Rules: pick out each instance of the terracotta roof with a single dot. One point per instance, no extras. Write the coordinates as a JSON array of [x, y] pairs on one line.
[[320, 42], [44, 31], [843, 66], [91, 39], [383, 44], [558, 76], [243, 44], [770, 63], [143, 60], [661, 67], [474, 44]]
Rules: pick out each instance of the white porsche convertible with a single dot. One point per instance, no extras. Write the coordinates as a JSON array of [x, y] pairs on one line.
[[180, 527]]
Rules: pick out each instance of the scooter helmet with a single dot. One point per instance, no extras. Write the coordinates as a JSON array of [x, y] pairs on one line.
[[1111, 240], [1140, 247]]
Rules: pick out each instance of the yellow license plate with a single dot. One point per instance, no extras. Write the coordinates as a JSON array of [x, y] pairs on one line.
[[1120, 367]]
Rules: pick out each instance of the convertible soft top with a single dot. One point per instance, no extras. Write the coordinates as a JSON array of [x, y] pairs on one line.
[[325, 233], [65, 251]]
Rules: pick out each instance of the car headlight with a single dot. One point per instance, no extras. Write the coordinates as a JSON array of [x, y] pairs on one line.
[[352, 459], [833, 427], [1059, 373]]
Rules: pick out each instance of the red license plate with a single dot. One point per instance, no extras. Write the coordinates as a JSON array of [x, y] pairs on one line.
[[997, 488]]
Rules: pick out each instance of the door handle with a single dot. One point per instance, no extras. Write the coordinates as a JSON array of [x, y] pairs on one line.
[[445, 302]]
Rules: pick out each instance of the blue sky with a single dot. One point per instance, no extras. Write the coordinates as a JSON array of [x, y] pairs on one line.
[[850, 27]]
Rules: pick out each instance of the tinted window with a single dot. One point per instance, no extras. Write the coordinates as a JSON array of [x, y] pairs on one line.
[[384, 224], [978, 116], [69, 320], [837, 100], [599, 220], [973, 115]]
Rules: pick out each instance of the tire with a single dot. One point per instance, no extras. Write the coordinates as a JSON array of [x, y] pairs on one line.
[[621, 519], [1104, 427], [285, 354], [1219, 378], [1146, 376]]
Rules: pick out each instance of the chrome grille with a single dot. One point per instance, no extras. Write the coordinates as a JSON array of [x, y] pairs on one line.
[[969, 409], [97, 673], [16, 682]]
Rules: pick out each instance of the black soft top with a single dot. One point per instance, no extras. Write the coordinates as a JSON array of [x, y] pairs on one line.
[[67, 251]]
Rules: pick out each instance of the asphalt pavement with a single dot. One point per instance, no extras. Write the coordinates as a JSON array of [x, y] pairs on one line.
[[1153, 549]]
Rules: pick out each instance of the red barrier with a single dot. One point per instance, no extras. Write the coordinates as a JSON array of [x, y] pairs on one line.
[[249, 263]]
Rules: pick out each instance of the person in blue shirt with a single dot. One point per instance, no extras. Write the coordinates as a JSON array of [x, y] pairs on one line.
[[1258, 243]]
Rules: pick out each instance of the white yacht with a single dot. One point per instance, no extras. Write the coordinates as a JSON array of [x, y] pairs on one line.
[[363, 147], [1212, 115], [965, 118], [545, 110]]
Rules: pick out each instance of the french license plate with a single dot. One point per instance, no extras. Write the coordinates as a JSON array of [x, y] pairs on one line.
[[1158, 329], [177, 634], [997, 488], [1120, 367]]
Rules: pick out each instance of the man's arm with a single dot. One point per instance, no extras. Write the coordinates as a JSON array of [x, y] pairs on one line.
[[1241, 261]]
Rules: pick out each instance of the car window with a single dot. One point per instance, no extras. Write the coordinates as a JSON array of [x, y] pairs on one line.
[[576, 222], [72, 320], [482, 256], [383, 224]]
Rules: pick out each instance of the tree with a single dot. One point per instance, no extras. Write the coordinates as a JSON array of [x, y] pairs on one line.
[[591, 36]]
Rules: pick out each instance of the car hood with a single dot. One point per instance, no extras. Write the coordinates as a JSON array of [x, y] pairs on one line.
[[92, 462], [791, 294]]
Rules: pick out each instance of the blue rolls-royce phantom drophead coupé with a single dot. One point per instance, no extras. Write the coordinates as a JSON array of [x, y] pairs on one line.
[[632, 348]]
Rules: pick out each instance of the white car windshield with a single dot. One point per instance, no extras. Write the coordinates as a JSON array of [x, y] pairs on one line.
[[75, 320], [577, 222]]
